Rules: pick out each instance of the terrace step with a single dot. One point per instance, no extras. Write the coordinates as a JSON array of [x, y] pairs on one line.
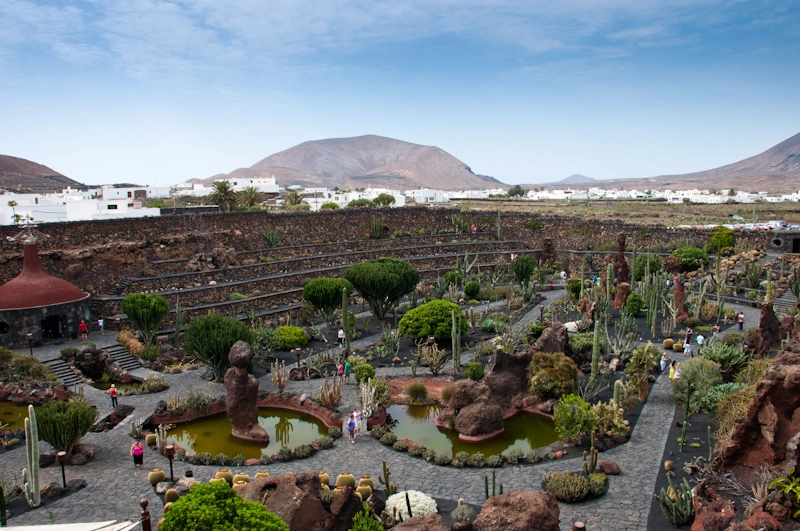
[[63, 372], [119, 354]]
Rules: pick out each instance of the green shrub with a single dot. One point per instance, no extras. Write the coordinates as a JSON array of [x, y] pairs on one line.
[[574, 288], [364, 521], [63, 423], [302, 451], [388, 439], [533, 224], [729, 357], [573, 416], [330, 205], [722, 237], [146, 312], [30, 367], [363, 372], [360, 203], [211, 337], [490, 325], [324, 443], [452, 278], [416, 450], [474, 371], [381, 282], [150, 353], [580, 343], [494, 461], [400, 446], [640, 267], [733, 338], [703, 374], [68, 352], [216, 506], [417, 392], [535, 332], [334, 432], [432, 319], [289, 337], [692, 258], [477, 459], [634, 304], [691, 322], [551, 374], [472, 288], [710, 401], [236, 296], [566, 486], [442, 459], [514, 455]]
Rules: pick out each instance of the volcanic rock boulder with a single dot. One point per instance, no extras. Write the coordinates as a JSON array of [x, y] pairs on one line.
[[519, 511], [621, 295], [242, 394], [428, 522], [553, 339], [479, 418], [771, 420], [293, 497], [680, 301], [768, 334]]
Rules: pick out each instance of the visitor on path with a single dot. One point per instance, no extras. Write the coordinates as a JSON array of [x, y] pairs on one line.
[[474, 228], [677, 372], [357, 413], [563, 277], [137, 451], [84, 330], [112, 392], [351, 428], [101, 324], [700, 340], [687, 350], [740, 318], [715, 331], [347, 372], [689, 333], [672, 367], [664, 362], [340, 371], [342, 338]]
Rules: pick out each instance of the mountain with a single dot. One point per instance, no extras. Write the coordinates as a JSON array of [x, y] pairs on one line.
[[576, 178], [777, 170], [20, 175], [364, 161]]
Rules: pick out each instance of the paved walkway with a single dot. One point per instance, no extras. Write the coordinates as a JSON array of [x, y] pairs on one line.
[[115, 486]]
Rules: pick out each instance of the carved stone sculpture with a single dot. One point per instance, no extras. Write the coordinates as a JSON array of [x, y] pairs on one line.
[[242, 394], [622, 272]]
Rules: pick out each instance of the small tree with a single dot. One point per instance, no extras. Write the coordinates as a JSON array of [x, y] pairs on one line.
[[63, 423], [573, 416], [722, 237], [365, 203], [250, 196], [330, 205], [222, 194], [523, 268], [210, 338], [516, 191], [146, 312], [384, 200], [325, 294], [432, 319], [382, 282]]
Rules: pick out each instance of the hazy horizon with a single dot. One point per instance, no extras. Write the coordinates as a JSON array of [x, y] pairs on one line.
[[158, 92]]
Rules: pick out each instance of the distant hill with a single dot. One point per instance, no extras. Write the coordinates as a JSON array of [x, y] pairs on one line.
[[21, 175], [576, 178], [776, 170], [364, 161]]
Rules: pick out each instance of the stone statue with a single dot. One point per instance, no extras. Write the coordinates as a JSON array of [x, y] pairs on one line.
[[548, 253], [622, 272], [242, 393]]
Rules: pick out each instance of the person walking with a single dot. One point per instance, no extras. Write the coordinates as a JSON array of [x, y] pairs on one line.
[[664, 362], [740, 318], [715, 331], [563, 277], [112, 392], [340, 372], [677, 372], [700, 340], [357, 413], [84, 330], [687, 350], [672, 367], [347, 368], [689, 333], [351, 428], [101, 324], [342, 338], [137, 451]]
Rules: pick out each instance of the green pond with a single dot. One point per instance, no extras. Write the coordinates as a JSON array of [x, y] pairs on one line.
[[213, 434], [525, 431], [10, 412]]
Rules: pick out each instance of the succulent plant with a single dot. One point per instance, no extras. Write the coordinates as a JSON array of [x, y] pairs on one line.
[[597, 482], [566, 486]]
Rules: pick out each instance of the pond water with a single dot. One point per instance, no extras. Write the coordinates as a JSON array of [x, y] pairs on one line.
[[213, 434], [525, 431], [10, 412]]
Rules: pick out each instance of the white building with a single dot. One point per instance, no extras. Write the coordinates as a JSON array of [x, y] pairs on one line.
[[50, 211], [109, 193], [265, 185], [426, 195]]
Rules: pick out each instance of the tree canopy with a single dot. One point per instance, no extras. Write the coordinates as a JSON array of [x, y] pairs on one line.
[[250, 196], [211, 337], [384, 200], [146, 312], [325, 294], [516, 191], [381, 282], [360, 203], [432, 319], [222, 194]]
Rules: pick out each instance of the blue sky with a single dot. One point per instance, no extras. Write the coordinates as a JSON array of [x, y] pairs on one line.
[[158, 92]]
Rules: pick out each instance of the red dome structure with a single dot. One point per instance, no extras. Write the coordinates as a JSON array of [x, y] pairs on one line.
[[33, 287]]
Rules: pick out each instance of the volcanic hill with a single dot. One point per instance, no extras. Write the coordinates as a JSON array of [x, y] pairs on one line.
[[21, 175], [363, 161]]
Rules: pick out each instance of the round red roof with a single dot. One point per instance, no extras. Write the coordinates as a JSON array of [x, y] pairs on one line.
[[33, 287]]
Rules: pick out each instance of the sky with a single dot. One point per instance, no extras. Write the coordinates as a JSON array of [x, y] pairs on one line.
[[527, 91]]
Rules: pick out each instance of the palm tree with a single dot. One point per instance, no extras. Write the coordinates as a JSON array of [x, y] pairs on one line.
[[223, 195], [250, 196], [293, 197]]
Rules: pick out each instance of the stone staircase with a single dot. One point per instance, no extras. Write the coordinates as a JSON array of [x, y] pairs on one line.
[[784, 303], [63, 372], [118, 353]]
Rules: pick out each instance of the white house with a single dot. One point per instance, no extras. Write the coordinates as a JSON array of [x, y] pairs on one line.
[[109, 193], [265, 185], [426, 195]]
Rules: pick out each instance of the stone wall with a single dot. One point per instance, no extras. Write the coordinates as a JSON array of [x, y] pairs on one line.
[[28, 321]]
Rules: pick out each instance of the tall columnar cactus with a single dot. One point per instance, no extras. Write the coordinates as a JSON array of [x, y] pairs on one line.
[[375, 227], [388, 487], [590, 465], [499, 232], [595, 353], [279, 375], [455, 334], [494, 486], [609, 279], [30, 475], [345, 320], [768, 295], [368, 389]]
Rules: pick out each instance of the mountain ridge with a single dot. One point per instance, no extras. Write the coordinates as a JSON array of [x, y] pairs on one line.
[[22, 175]]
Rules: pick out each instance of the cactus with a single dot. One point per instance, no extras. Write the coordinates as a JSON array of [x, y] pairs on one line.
[[161, 438], [463, 512], [499, 232], [609, 280], [279, 375], [710, 445], [171, 495], [330, 394], [388, 487], [473, 323], [566, 486], [768, 294], [682, 441], [494, 486], [375, 227], [595, 354], [597, 482], [345, 320], [455, 334], [30, 475], [618, 390], [590, 466], [676, 503], [368, 397]]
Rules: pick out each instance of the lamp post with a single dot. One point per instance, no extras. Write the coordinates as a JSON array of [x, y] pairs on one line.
[[169, 451], [61, 458], [29, 337], [541, 313]]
